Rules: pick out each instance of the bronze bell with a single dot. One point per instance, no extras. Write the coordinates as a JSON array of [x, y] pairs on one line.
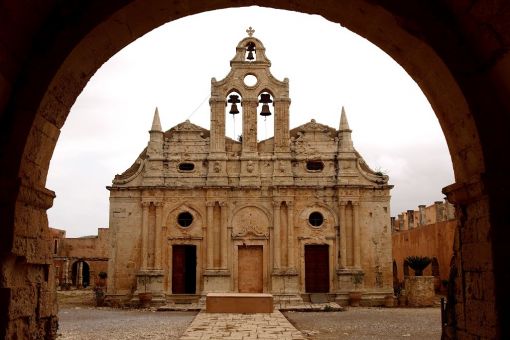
[[265, 99], [265, 110], [233, 99], [233, 109], [250, 49]]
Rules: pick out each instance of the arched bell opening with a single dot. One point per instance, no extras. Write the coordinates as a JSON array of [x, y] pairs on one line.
[[265, 118], [250, 52], [234, 117]]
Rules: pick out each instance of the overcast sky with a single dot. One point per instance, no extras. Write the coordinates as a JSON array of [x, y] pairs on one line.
[[394, 127]]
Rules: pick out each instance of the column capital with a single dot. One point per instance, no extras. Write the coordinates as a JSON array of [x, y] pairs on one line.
[[342, 203], [222, 203], [210, 203], [250, 102], [217, 100], [281, 100], [465, 192], [277, 203], [146, 203], [289, 204], [158, 204]]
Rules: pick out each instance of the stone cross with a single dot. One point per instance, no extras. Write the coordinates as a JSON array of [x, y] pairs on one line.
[[250, 31]]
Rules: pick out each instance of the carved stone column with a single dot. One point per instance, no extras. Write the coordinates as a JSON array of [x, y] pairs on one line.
[[217, 124], [281, 125], [356, 235], [157, 234], [223, 235], [343, 241], [249, 125], [145, 232], [290, 235], [210, 235], [66, 272], [276, 235]]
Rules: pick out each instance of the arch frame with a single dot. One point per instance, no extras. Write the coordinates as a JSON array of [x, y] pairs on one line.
[[57, 49]]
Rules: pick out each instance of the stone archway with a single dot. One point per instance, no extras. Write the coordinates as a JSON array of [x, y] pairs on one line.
[[456, 52]]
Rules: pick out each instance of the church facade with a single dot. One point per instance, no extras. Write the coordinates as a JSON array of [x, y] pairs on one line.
[[295, 214]]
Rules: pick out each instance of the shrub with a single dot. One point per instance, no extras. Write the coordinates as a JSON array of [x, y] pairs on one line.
[[418, 263], [102, 275]]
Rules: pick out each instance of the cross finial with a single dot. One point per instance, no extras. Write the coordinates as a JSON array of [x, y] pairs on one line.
[[250, 31]]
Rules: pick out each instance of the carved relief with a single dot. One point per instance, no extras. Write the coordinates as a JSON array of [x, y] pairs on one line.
[[250, 221]]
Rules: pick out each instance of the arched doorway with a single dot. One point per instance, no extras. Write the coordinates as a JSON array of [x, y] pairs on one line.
[[80, 274], [55, 50]]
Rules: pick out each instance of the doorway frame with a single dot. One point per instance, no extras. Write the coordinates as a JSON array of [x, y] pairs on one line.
[[168, 251], [331, 247], [235, 261]]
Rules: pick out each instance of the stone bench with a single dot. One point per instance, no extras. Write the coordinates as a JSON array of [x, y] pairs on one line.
[[238, 303]]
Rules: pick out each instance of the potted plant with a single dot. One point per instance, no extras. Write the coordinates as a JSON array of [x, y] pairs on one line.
[[418, 263], [145, 298], [355, 295]]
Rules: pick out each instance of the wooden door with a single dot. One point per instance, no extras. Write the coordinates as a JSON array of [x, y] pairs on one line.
[[316, 268], [250, 269], [183, 269]]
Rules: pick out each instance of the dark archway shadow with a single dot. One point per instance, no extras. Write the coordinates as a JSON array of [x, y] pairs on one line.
[[54, 51]]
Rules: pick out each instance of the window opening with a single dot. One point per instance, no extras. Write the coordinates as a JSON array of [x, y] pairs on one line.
[[185, 219], [316, 219], [186, 166], [314, 166]]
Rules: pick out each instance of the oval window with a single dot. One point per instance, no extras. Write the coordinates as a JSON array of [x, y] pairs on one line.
[[185, 219], [186, 166], [250, 80], [314, 166], [316, 219]]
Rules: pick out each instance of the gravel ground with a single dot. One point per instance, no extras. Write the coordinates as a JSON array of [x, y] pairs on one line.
[[370, 323], [355, 323], [106, 323], [79, 319]]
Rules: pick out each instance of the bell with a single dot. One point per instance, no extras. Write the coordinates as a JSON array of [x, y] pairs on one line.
[[265, 110], [265, 98], [250, 49], [233, 109], [233, 99]]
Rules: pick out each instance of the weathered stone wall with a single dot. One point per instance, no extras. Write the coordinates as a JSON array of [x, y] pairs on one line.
[[433, 240], [419, 291], [94, 250]]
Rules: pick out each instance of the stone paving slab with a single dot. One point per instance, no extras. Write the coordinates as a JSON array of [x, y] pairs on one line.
[[211, 326]]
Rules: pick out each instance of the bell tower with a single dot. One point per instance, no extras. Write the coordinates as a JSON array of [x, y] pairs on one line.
[[251, 88]]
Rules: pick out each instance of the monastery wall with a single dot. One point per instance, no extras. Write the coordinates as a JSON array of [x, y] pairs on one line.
[[433, 239]]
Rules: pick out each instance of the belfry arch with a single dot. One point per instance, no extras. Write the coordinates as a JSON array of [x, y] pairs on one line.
[[462, 70]]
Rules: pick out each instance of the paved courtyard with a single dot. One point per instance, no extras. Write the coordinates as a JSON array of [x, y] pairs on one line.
[[354, 323]]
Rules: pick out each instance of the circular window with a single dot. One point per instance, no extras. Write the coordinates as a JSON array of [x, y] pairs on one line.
[[250, 80], [316, 219], [185, 219]]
